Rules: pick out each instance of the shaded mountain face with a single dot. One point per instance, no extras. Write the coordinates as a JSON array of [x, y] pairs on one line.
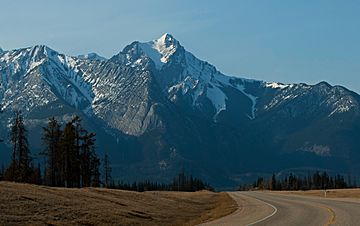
[[157, 108]]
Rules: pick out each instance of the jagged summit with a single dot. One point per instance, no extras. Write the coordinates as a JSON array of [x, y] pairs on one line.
[[39, 51], [167, 37], [165, 42], [160, 50], [42, 47], [34, 53], [166, 45]]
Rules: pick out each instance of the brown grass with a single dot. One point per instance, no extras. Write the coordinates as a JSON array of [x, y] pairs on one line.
[[333, 193], [24, 204]]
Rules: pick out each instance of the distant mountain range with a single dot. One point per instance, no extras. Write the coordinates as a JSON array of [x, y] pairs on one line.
[[156, 109]]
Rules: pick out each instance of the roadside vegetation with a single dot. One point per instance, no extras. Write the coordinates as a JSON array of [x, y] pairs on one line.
[[315, 181]]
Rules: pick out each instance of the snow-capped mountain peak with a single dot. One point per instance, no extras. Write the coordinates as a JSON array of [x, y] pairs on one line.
[[27, 59], [42, 75], [166, 45], [160, 50]]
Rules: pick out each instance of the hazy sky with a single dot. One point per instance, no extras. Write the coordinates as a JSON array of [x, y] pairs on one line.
[[285, 40]]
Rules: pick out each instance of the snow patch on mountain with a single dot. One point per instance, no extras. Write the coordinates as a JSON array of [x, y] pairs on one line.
[[35, 64], [152, 53], [217, 97], [276, 85], [160, 50], [166, 45], [253, 100], [189, 83], [342, 105], [321, 150]]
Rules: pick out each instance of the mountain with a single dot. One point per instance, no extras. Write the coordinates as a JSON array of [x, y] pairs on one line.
[[92, 56], [156, 108]]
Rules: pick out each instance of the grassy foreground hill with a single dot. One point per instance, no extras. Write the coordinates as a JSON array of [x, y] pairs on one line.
[[24, 204]]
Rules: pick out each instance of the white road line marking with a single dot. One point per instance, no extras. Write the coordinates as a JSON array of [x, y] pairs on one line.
[[272, 214]]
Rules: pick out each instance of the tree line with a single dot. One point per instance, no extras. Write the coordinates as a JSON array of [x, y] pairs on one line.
[[315, 181], [181, 182], [71, 160]]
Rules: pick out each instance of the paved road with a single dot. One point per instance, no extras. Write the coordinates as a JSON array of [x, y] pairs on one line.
[[250, 210], [268, 208]]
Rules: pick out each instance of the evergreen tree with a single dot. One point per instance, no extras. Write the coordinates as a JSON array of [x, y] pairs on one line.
[[35, 177], [316, 180], [273, 182], [1, 140], [107, 170], [95, 165], [51, 138], [71, 166], [19, 169], [79, 135], [87, 154], [2, 171]]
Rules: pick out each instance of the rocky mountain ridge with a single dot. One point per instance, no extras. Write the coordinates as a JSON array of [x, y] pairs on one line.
[[158, 104]]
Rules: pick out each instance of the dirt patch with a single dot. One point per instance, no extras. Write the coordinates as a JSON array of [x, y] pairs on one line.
[[24, 204]]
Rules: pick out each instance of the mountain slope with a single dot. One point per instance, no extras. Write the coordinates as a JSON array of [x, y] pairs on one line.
[[157, 108]]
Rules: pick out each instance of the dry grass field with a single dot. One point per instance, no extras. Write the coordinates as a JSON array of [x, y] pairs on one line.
[[24, 204], [332, 193]]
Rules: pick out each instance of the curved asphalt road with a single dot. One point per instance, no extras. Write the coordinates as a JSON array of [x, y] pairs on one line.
[[250, 210], [271, 208]]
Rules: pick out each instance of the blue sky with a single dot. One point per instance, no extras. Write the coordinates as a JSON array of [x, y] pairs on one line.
[[287, 41]]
